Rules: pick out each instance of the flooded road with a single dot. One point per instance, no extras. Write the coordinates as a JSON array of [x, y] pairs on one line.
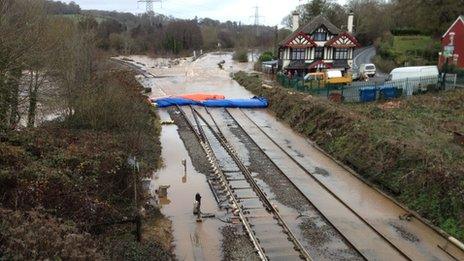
[[364, 218]]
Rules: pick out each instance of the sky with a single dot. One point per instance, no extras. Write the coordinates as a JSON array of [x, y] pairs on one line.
[[271, 12]]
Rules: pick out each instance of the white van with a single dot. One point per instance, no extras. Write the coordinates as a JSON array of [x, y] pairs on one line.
[[367, 69], [413, 72], [414, 78]]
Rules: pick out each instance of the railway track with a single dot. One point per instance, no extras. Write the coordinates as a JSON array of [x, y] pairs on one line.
[[361, 219], [259, 216], [134, 67], [404, 255], [235, 188]]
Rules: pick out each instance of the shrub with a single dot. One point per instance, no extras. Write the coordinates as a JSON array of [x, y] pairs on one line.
[[384, 65], [405, 31], [240, 56], [266, 56], [33, 235]]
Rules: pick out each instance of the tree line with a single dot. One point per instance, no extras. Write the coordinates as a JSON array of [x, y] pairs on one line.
[[374, 17], [67, 180], [163, 35]]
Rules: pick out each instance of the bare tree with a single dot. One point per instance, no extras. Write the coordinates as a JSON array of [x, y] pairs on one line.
[[21, 30]]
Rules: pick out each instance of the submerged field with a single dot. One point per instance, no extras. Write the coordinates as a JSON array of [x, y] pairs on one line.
[[406, 147]]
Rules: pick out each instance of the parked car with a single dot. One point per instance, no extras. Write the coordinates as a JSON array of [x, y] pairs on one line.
[[367, 69], [330, 76]]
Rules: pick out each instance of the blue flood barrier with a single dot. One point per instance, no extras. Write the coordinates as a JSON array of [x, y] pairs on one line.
[[172, 101], [367, 94], [255, 102]]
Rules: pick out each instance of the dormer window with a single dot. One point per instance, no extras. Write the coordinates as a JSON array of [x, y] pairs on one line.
[[320, 35]]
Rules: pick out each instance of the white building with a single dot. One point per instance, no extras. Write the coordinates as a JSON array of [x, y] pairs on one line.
[[317, 45]]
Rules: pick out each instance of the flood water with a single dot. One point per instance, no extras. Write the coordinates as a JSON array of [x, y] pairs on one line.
[[193, 240], [202, 241]]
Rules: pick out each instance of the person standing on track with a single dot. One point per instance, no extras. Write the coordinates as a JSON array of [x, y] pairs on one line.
[[198, 201]]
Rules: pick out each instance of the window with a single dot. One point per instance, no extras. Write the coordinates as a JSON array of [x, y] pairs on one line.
[[298, 54], [340, 54], [319, 53], [320, 36]]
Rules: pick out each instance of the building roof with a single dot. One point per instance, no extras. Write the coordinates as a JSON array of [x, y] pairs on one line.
[[319, 64], [313, 25], [343, 40], [302, 40], [460, 18]]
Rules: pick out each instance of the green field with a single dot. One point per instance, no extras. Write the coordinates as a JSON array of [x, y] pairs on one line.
[[405, 44], [411, 50]]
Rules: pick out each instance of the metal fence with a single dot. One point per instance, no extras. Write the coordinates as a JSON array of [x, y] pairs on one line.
[[368, 91]]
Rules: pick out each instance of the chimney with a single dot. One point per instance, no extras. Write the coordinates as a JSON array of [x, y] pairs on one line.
[[296, 21], [350, 22]]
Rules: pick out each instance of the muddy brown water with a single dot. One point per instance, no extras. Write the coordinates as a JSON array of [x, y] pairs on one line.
[[414, 237], [193, 241]]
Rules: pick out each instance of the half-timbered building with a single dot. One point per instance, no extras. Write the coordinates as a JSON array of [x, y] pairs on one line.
[[317, 45]]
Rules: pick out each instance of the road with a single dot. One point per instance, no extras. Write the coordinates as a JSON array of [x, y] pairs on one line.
[[366, 55]]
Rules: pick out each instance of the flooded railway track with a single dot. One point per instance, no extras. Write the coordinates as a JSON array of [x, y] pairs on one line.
[[450, 251], [266, 229], [234, 183]]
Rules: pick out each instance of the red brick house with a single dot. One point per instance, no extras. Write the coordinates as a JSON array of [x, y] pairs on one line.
[[452, 43]]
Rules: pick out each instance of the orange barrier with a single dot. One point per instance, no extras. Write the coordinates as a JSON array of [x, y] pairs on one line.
[[202, 96]]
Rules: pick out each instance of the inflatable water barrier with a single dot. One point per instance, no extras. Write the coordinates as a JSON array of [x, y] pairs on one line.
[[172, 101], [255, 102], [202, 96]]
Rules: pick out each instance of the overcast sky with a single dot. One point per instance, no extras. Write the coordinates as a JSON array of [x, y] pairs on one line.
[[272, 11]]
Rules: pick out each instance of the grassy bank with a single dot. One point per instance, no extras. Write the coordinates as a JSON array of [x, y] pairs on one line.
[[406, 50], [406, 147], [66, 188]]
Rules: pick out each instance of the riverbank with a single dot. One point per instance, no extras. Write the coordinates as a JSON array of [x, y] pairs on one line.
[[404, 147], [66, 187]]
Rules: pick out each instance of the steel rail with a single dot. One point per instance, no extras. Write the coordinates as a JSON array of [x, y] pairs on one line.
[[318, 210], [322, 185], [248, 175], [217, 170]]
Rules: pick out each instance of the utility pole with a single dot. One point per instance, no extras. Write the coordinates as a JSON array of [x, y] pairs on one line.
[[256, 17], [149, 5], [137, 215]]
